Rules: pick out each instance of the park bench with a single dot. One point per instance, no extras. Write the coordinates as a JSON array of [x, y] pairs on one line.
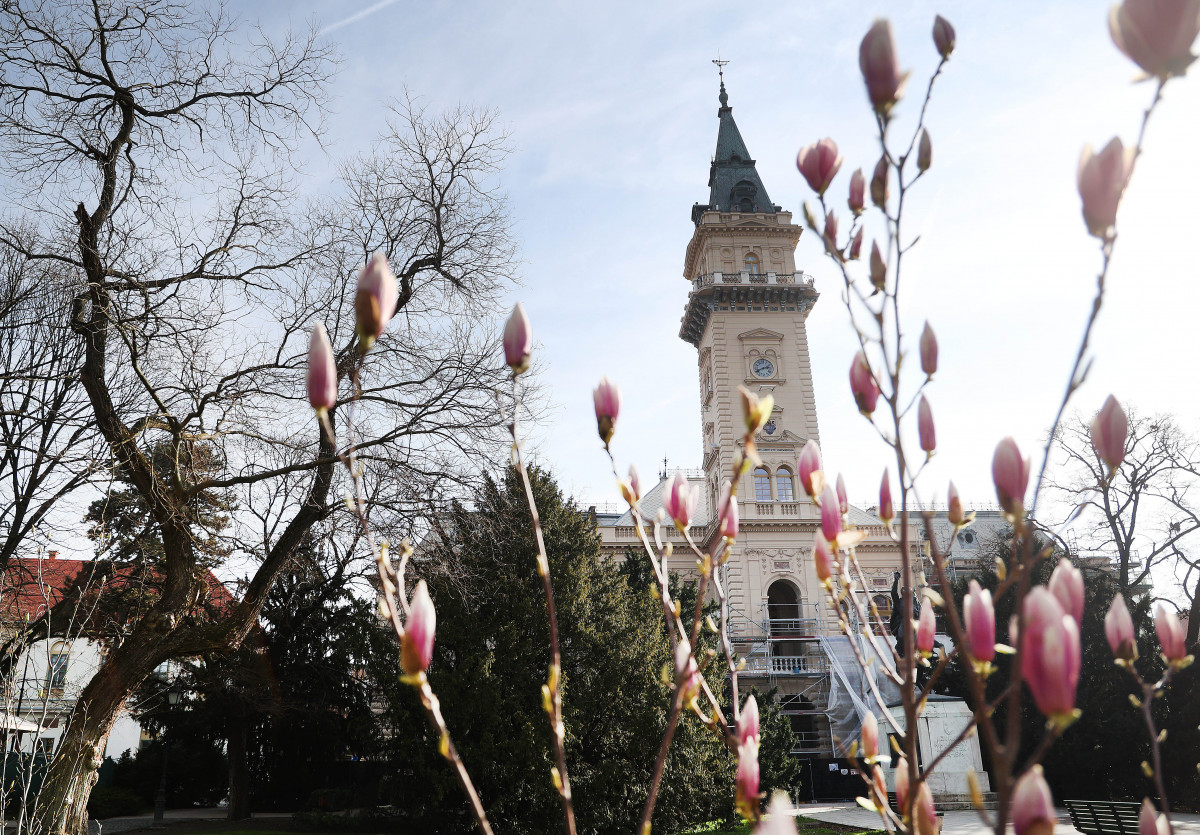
[[1104, 817]]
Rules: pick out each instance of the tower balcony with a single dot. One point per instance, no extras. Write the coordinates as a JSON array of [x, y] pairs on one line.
[[748, 278], [765, 292]]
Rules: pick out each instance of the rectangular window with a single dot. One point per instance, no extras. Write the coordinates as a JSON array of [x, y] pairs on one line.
[[762, 488], [56, 675], [784, 485], [45, 746]]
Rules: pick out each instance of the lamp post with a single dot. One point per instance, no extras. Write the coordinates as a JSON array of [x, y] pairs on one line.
[[174, 694]]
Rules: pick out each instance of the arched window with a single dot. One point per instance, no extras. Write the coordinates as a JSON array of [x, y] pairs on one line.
[[751, 262], [782, 603], [56, 671], [883, 605], [784, 486], [762, 485]]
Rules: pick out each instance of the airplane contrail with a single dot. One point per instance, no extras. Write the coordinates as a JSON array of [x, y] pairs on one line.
[[357, 16]]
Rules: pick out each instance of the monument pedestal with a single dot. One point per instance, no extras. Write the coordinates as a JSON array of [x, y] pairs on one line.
[[938, 726]]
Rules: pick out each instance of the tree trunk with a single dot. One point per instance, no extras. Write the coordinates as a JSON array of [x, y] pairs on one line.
[[239, 773], [62, 802], [1193, 624]]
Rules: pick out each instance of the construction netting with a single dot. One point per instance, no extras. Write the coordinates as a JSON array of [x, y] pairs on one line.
[[850, 686]]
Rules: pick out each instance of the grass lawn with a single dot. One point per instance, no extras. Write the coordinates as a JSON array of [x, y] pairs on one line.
[[806, 826]]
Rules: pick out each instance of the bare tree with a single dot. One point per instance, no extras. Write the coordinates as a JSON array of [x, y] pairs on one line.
[[153, 145], [1146, 515]]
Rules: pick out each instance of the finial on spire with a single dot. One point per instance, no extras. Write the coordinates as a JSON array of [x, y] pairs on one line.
[[723, 97]]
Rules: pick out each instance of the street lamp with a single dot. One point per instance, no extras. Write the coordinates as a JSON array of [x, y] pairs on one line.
[[174, 694]]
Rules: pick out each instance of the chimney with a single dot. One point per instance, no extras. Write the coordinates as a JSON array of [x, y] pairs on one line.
[[53, 555]]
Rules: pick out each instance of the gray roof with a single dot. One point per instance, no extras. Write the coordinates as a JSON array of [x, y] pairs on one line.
[[652, 501], [733, 181]]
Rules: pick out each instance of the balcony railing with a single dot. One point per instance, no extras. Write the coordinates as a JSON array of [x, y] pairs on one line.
[[744, 277], [787, 665]]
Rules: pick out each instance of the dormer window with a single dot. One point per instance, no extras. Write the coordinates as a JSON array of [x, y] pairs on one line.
[[751, 263]]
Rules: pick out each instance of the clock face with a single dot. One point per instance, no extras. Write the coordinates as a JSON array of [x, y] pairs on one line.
[[764, 367]]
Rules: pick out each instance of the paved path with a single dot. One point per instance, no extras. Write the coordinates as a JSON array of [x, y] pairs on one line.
[[115, 825], [958, 823]]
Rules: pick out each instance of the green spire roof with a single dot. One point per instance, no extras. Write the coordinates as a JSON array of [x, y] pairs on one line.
[[733, 181]]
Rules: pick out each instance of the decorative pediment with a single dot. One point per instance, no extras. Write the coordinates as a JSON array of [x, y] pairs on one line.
[[784, 437], [761, 333]]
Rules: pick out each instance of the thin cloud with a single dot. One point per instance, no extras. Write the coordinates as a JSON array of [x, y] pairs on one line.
[[357, 16]]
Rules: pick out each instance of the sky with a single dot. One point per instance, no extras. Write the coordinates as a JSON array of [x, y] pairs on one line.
[[612, 111]]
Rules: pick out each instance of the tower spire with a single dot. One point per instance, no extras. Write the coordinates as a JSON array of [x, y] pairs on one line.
[[723, 97]]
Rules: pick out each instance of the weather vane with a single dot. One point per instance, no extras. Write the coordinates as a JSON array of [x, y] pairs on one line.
[[720, 67]]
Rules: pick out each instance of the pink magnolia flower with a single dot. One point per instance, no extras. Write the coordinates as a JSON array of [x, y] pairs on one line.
[[862, 384], [416, 647], [607, 399], [1170, 633], [924, 811], [748, 780], [830, 233], [687, 672], [748, 721], [1010, 474], [1050, 654], [926, 627], [880, 66], [1118, 629], [808, 466], [518, 340], [822, 557], [1032, 805], [1066, 583], [843, 502], [819, 163], [954, 506], [680, 501], [870, 736], [878, 268], [375, 299], [858, 188], [728, 513], [1110, 428], [902, 782], [321, 377], [856, 245], [780, 819], [1156, 35], [631, 489], [980, 619], [929, 351], [943, 36], [1150, 822], [924, 151], [879, 183], [925, 429], [831, 514], [1102, 179], [756, 411], [886, 511]]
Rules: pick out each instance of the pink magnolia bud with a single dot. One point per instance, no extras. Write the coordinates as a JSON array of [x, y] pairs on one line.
[[843, 501], [728, 513], [878, 268], [748, 780], [1010, 474], [808, 467], [416, 647], [879, 183], [926, 627], [756, 411], [1066, 583], [607, 399], [819, 163], [924, 151], [929, 351], [518, 340], [862, 384], [822, 557], [1110, 427], [1150, 822], [856, 245], [780, 819], [831, 515], [1118, 629], [870, 736], [830, 233], [680, 501], [1032, 805], [687, 672], [925, 426], [943, 36], [880, 66], [902, 782], [321, 378], [954, 506], [924, 811], [748, 721], [1156, 35], [980, 619], [631, 490], [886, 511], [858, 188], [1102, 179], [374, 299], [1170, 633], [1050, 654]]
